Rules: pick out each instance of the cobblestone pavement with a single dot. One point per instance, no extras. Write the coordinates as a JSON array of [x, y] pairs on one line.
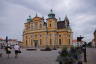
[[31, 57]]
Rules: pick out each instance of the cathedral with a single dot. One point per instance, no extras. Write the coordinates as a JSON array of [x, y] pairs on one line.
[[40, 32]]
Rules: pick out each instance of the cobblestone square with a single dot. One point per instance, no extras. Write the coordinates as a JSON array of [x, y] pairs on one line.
[[31, 57]]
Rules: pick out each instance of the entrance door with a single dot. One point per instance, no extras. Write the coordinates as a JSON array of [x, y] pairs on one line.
[[35, 43]]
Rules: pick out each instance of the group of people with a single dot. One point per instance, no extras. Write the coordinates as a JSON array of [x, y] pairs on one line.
[[16, 50]]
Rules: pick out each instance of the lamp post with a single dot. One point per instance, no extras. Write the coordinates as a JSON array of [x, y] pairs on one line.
[[7, 47], [7, 40], [79, 39], [84, 50]]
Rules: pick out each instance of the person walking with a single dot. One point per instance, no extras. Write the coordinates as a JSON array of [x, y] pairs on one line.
[[0, 50], [8, 50], [17, 50]]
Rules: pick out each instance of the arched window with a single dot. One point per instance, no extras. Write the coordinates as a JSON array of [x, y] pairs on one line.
[[59, 41], [50, 25]]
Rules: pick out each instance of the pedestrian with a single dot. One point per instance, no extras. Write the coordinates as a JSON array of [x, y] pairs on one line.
[[17, 50], [0, 50], [8, 50]]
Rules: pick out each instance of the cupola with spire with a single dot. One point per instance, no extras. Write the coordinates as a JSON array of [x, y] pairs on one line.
[[51, 14], [29, 18]]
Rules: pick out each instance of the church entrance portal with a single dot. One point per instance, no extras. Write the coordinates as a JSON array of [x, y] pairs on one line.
[[35, 43]]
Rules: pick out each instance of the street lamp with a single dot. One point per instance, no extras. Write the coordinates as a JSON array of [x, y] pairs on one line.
[[79, 39], [84, 50], [7, 40]]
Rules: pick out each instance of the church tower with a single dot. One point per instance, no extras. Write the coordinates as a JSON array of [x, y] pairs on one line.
[[51, 21]]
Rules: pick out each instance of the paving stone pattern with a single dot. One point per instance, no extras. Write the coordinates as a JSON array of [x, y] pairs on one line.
[[31, 57]]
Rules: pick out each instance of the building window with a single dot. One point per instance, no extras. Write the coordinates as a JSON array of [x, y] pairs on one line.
[[31, 42], [26, 42], [36, 25], [59, 41], [50, 25], [50, 41], [40, 26], [35, 36], [69, 41], [59, 35]]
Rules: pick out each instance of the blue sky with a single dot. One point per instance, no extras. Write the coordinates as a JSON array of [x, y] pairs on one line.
[[81, 13]]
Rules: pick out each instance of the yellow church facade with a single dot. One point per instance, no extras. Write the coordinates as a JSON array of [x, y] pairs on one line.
[[40, 32]]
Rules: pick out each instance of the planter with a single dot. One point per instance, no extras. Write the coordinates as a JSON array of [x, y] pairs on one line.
[[46, 49], [31, 49]]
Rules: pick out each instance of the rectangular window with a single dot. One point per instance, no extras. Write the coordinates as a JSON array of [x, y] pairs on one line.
[[50, 25], [26, 42], [59, 35], [69, 41], [59, 41], [40, 26], [50, 42], [31, 42]]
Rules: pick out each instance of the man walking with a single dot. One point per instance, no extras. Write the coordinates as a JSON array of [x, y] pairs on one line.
[[17, 50]]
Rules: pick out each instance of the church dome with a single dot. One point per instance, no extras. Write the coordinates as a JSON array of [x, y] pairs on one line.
[[29, 18], [51, 14]]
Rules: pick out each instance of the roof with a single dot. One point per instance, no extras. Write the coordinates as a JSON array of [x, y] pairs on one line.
[[74, 41], [1, 38], [11, 39], [45, 23], [37, 19], [60, 24]]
